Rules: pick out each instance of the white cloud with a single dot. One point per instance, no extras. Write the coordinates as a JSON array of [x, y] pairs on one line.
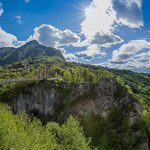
[[99, 19], [1, 9], [70, 57], [45, 35], [142, 60], [133, 55], [62, 50], [52, 37], [90, 52], [9, 40], [128, 51], [27, 1], [128, 12], [106, 40], [19, 19], [104, 16]]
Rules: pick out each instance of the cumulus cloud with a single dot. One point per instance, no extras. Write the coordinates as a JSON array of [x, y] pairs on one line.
[[129, 50], [19, 19], [142, 60], [128, 12], [99, 19], [103, 17], [70, 57], [9, 40], [133, 55], [106, 40], [50, 36], [1, 9], [90, 52]]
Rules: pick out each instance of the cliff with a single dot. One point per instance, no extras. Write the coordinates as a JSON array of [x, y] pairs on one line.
[[106, 109]]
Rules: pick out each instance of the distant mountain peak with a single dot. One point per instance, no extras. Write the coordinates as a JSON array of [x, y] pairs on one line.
[[31, 44], [31, 51]]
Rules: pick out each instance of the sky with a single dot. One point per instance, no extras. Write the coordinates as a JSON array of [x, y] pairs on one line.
[[109, 33]]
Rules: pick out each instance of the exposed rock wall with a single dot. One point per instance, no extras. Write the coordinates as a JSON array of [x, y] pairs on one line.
[[81, 100]]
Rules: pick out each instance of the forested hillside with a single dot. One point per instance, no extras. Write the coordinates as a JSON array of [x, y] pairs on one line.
[[28, 65]]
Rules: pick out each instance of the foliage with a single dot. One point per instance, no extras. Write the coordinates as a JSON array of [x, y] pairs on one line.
[[67, 76], [112, 133], [31, 51], [139, 85], [136, 83], [20, 132]]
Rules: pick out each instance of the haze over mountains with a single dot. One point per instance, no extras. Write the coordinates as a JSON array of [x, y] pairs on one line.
[[31, 51]]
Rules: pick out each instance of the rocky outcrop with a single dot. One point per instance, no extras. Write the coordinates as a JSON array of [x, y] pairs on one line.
[[86, 100]]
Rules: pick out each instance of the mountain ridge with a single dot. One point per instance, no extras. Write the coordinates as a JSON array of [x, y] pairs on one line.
[[31, 51]]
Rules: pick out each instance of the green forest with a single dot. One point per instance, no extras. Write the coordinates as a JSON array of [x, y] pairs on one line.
[[26, 132], [20, 131]]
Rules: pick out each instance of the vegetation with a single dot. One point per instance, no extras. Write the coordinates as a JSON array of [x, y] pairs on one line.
[[114, 133], [139, 85], [31, 52], [21, 132], [72, 72]]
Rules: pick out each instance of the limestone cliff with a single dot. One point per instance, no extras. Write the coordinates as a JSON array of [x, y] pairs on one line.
[[106, 103]]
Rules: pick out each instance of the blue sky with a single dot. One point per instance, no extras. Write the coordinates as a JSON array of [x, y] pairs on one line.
[[110, 33]]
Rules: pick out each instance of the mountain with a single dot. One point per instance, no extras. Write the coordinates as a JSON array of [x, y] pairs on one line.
[[31, 51]]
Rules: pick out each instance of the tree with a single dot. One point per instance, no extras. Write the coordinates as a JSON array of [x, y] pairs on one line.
[[20, 132], [67, 76], [78, 73], [85, 74], [70, 135], [119, 80]]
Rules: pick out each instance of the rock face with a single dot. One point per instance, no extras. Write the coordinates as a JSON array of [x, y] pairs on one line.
[[84, 100]]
